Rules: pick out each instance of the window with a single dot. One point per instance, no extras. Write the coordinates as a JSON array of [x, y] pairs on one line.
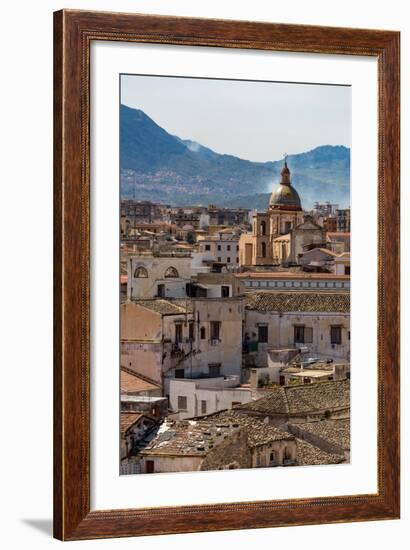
[[191, 331], [225, 291], [347, 269], [182, 403], [219, 247], [263, 333], [178, 333], [228, 259], [237, 248], [303, 335], [219, 259], [263, 228], [140, 273], [179, 373], [207, 247], [203, 333], [203, 407], [263, 250], [171, 273], [228, 247], [215, 330], [335, 335], [237, 260], [214, 369], [161, 291], [287, 455]]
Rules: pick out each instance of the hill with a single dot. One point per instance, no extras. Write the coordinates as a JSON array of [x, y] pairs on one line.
[[158, 166]]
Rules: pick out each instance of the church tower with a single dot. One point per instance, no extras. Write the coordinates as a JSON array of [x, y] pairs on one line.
[[285, 207], [270, 228]]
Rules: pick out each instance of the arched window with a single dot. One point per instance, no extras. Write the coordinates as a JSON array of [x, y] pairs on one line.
[[263, 250], [140, 273], [263, 227], [171, 272]]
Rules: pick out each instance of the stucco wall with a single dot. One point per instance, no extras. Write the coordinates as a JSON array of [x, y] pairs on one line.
[[164, 464], [281, 332], [216, 399], [261, 455]]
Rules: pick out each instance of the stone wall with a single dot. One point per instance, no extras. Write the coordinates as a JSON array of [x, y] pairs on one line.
[[232, 453]]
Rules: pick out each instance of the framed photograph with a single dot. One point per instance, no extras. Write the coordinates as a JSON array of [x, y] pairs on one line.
[[226, 275]]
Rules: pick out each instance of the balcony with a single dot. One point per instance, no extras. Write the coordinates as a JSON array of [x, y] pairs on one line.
[[214, 342]]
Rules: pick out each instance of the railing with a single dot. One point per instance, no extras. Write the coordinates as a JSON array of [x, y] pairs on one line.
[[214, 342]]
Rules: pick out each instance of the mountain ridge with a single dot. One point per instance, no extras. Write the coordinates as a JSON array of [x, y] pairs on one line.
[[158, 166]]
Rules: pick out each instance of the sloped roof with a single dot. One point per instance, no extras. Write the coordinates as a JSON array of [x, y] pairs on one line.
[[335, 431], [337, 302], [165, 307], [310, 455], [131, 382], [288, 400], [322, 250], [188, 438], [127, 420], [259, 433]]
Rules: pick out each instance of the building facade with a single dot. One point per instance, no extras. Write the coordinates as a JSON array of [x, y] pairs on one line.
[[317, 322], [284, 214], [282, 233]]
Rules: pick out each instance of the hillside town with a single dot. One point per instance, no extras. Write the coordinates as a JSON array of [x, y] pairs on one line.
[[235, 335]]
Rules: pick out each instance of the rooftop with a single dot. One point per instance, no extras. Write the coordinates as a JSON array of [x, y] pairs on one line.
[[336, 431], [323, 250], [309, 455], [188, 437], [198, 435], [140, 398], [326, 302], [127, 420], [288, 400], [335, 234], [165, 307], [258, 432], [291, 275], [132, 383]]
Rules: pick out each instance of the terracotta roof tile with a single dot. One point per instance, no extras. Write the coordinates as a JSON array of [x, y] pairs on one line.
[[298, 301], [128, 419], [166, 307], [310, 455], [305, 398], [132, 383], [335, 431]]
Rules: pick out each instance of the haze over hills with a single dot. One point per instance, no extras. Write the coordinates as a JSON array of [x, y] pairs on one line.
[[158, 166]]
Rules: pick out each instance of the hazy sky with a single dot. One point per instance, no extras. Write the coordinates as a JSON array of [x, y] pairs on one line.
[[258, 121]]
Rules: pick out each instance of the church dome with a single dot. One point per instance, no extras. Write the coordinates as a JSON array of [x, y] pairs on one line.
[[285, 197]]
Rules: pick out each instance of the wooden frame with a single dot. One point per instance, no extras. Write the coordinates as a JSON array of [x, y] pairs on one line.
[[74, 31]]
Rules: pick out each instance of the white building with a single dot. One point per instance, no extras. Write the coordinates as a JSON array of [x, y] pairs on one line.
[[288, 281], [342, 264], [163, 276], [165, 339], [204, 396], [223, 247], [318, 322]]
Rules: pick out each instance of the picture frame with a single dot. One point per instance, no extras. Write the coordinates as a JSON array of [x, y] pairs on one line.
[[74, 32]]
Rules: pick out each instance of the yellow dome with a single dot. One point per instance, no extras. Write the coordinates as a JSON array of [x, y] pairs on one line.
[[285, 196]]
